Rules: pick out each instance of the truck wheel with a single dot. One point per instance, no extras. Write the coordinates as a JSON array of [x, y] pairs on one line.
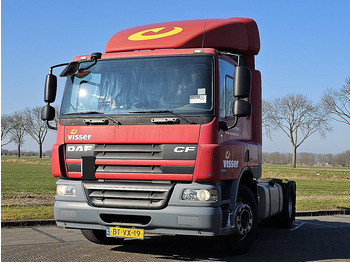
[[287, 217], [245, 223], [99, 237]]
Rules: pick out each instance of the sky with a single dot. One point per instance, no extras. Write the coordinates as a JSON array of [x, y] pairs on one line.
[[304, 47]]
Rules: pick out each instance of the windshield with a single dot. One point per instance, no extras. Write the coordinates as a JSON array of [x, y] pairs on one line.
[[181, 84]]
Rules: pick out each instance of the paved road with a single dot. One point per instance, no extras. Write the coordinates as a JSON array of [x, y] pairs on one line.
[[311, 239]]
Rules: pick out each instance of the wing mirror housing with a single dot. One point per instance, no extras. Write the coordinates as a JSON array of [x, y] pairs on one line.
[[242, 79], [50, 88], [48, 113], [242, 108]]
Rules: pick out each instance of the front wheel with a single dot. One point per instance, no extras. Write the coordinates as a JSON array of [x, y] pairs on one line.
[[99, 237], [245, 223]]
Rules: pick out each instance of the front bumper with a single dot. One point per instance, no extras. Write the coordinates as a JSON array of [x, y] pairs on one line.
[[178, 217]]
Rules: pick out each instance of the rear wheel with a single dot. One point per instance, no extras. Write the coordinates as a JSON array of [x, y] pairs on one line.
[[245, 223], [99, 237], [287, 216]]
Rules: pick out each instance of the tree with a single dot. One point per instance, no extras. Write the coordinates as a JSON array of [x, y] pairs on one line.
[[343, 159], [18, 130], [35, 127], [277, 158], [295, 116], [337, 103], [306, 159], [5, 129]]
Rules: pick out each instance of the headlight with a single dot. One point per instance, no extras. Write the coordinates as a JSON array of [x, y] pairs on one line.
[[200, 195], [66, 190]]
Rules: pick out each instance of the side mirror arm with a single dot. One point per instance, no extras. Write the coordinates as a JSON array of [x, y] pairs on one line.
[[224, 127], [235, 122], [50, 126]]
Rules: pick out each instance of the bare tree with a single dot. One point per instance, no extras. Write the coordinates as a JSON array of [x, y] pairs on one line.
[[305, 158], [342, 159], [277, 158], [35, 127], [18, 130], [5, 129], [337, 103], [295, 116]]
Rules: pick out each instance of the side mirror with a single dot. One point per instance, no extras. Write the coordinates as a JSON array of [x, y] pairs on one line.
[[70, 69], [241, 108], [48, 113], [50, 88], [242, 82]]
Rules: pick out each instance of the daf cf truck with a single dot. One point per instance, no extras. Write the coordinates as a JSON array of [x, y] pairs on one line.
[[162, 133]]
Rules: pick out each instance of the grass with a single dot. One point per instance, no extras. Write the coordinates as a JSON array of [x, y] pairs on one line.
[[26, 212], [28, 175], [318, 188], [28, 188]]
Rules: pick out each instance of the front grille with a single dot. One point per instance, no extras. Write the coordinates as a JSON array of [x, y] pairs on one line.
[[127, 194], [134, 158], [129, 151], [151, 169]]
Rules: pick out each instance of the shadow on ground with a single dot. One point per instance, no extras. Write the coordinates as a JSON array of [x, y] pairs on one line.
[[308, 240]]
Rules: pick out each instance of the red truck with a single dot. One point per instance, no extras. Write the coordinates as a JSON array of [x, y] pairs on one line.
[[162, 134]]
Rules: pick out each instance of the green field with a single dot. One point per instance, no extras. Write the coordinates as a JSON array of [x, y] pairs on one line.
[[318, 188], [28, 188]]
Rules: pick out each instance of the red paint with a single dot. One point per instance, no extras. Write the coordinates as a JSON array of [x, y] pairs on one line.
[[234, 34], [237, 35], [55, 159], [137, 134], [207, 163]]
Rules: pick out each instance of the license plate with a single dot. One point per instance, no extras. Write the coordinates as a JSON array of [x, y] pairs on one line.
[[125, 232]]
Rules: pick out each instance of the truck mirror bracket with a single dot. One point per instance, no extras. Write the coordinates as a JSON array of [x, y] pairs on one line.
[[50, 126], [235, 122], [224, 127]]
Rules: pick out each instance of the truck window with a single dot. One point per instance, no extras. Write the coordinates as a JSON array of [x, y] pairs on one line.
[[119, 86], [226, 70]]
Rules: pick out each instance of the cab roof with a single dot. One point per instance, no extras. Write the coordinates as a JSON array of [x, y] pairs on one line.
[[233, 35]]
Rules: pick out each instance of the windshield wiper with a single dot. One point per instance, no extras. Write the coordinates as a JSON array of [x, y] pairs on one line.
[[91, 121], [163, 111]]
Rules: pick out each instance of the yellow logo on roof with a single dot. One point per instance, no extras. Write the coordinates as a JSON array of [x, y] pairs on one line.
[[140, 36]]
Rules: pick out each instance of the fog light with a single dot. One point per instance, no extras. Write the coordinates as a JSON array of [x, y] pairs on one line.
[[199, 194], [66, 190]]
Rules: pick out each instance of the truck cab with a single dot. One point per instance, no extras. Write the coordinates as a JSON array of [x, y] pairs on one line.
[[162, 134]]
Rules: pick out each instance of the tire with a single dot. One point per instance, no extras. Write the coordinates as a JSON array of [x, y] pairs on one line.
[[99, 237], [287, 216], [246, 224]]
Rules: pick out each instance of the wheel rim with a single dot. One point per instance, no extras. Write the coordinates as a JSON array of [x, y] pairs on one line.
[[243, 219]]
